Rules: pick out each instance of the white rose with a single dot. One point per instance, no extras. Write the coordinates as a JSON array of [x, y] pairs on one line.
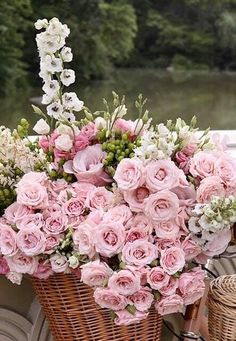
[[64, 142], [41, 127], [41, 23]]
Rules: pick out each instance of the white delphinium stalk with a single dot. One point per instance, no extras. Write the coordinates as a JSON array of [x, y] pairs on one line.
[[53, 54]]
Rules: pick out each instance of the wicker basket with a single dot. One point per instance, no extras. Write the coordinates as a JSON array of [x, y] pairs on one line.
[[222, 309], [74, 316]]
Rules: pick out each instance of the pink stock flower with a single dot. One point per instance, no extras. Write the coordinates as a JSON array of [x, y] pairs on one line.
[[124, 282], [96, 273], [21, 263], [209, 187], [166, 229], [130, 174], [140, 252], [169, 305], [172, 260], [109, 238], [8, 245], [202, 165], [191, 285], [43, 270], [99, 198], [157, 278], [124, 318], [161, 174], [31, 241], [142, 299], [135, 198], [87, 166], [4, 268], [162, 206], [107, 298], [16, 212]]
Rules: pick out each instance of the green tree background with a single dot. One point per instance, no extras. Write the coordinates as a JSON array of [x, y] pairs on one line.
[[105, 34]]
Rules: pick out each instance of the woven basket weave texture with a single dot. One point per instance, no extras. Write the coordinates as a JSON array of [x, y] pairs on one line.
[[222, 309], [74, 316]]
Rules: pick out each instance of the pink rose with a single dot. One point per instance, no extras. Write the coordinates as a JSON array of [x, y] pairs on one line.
[[52, 241], [190, 149], [191, 249], [157, 278], [162, 206], [43, 270], [142, 299], [14, 277], [55, 187], [124, 318], [135, 198], [170, 288], [63, 142], [59, 263], [96, 273], [130, 174], [161, 174], [124, 282], [83, 240], [16, 212], [82, 188], [81, 142], [118, 214], [33, 195], [4, 268], [166, 229], [183, 161], [8, 245], [32, 177], [209, 187], [22, 263], [107, 298], [172, 260], [87, 166], [162, 244], [140, 252], [225, 168], [74, 206], [218, 244], [56, 223], [44, 143], [124, 125], [191, 285], [169, 305], [33, 220], [202, 165], [185, 194], [140, 222], [109, 238], [89, 130], [136, 233], [31, 241], [99, 198]]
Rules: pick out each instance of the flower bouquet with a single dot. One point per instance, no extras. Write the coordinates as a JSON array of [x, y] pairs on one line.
[[110, 212]]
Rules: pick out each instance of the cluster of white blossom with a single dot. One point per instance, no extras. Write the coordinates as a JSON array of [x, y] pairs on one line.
[[53, 54], [15, 157], [208, 219], [156, 144]]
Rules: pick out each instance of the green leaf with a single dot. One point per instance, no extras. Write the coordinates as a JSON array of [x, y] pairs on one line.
[[131, 309]]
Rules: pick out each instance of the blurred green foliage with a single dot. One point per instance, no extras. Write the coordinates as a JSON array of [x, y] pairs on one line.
[[182, 34]]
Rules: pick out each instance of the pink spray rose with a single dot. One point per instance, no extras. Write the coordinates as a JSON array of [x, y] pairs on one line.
[[162, 206], [21, 263], [107, 298], [124, 282], [202, 165], [31, 241], [124, 318], [52, 241], [109, 238], [183, 161], [130, 174], [169, 305], [125, 125], [59, 263], [172, 260], [74, 206], [166, 229], [140, 222], [142, 299], [89, 130], [209, 187], [43, 270], [56, 223], [4, 268], [81, 142], [83, 239], [161, 174], [157, 278], [33, 195], [87, 166], [191, 285], [8, 245], [136, 233], [135, 198], [140, 252], [99, 198], [191, 249], [16, 212], [96, 273], [170, 288]]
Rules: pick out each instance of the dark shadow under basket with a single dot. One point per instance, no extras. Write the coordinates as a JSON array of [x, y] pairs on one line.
[[74, 316]]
